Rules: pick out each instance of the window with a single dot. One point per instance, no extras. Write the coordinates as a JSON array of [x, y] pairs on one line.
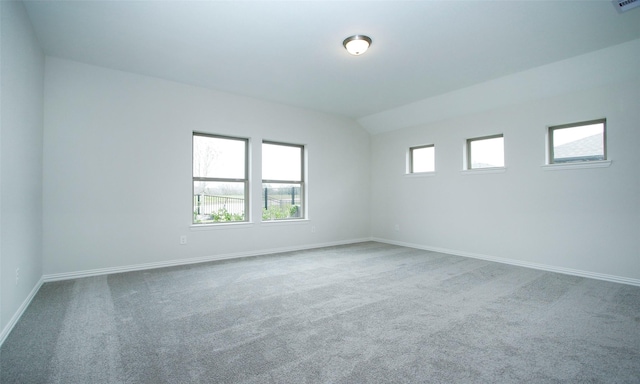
[[220, 181], [578, 142], [282, 181], [422, 159], [485, 152]]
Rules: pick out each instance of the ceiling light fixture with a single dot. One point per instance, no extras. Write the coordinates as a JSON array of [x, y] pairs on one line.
[[357, 44]]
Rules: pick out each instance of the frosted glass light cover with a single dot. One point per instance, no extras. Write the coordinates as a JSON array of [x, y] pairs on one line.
[[357, 44], [357, 47]]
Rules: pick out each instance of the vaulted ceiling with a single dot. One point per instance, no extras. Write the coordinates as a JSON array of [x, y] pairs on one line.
[[291, 51]]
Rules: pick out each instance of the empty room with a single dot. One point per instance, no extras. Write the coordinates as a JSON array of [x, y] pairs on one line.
[[319, 191]]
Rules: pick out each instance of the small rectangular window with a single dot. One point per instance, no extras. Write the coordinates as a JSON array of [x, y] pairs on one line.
[[485, 152], [220, 179], [579, 142], [282, 181], [422, 159]]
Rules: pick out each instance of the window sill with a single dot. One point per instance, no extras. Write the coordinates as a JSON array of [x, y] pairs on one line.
[[285, 222], [479, 171], [215, 226], [420, 174], [581, 165]]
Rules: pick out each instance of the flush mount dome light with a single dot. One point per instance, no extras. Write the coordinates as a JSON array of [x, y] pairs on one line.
[[357, 44]]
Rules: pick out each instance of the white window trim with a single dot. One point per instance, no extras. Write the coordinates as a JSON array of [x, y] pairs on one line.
[[466, 158], [409, 165], [285, 221], [303, 183], [216, 226], [576, 165], [479, 171], [419, 175], [247, 182]]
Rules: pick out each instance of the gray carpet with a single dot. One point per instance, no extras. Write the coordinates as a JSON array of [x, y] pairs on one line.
[[362, 313]]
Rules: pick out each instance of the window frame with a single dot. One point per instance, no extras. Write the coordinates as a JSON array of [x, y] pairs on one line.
[[244, 180], [468, 151], [302, 182], [411, 161], [550, 151]]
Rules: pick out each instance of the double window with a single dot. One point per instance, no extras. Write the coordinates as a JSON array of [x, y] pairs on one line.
[[220, 179], [282, 181]]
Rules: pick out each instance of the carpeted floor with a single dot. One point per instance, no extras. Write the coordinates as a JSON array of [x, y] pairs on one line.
[[362, 313]]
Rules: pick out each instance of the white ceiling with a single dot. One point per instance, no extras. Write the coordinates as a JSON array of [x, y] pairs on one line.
[[291, 51]]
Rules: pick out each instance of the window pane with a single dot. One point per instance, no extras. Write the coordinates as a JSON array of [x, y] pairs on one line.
[[487, 153], [281, 201], [281, 162], [581, 143], [423, 159], [215, 201], [218, 157]]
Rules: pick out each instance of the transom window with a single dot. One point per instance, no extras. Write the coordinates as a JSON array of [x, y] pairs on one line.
[[579, 142], [282, 181], [422, 159], [220, 179], [485, 152]]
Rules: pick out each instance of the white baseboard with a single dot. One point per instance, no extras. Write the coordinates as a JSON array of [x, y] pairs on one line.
[[542, 267], [14, 320], [195, 260], [137, 267]]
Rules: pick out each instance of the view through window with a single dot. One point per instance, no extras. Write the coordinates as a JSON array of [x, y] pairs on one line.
[[578, 142], [485, 152], [220, 182], [422, 159], [282, 181]]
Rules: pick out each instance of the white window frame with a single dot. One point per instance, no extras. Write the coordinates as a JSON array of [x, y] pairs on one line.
[[550, 146], [467, 158], [303, 201], [410, 160], [244, 180]]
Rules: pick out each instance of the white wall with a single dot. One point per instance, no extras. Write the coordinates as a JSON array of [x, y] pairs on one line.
[[610, 65], [117, 171], [22, 75], [584, 220], [115, 188]]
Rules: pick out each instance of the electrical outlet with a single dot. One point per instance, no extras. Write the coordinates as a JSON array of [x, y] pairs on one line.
[[396, 227], [183, 239], [313, 229], [17, 275]]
